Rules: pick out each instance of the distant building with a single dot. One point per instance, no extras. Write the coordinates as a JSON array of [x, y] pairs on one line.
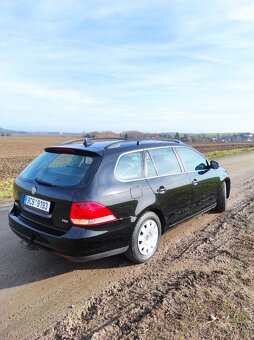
[[246, 137]]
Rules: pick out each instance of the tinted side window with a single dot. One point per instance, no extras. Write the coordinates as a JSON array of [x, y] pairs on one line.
[[130, 167], [191, 159], [165, 161]]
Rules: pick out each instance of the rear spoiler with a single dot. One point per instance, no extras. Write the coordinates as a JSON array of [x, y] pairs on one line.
[[73, 150]]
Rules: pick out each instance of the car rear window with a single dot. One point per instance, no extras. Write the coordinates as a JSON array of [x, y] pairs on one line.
[[62, 169]]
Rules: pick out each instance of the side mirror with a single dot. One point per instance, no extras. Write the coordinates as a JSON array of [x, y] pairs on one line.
[[214, 165], [201, 167]]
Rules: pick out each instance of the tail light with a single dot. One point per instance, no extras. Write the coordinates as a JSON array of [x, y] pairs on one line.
[[90, 213]]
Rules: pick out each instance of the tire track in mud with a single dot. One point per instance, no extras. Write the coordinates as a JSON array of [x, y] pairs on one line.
[[200, 287]]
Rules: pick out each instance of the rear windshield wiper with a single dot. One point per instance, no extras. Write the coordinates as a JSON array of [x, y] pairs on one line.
[[40, 181]]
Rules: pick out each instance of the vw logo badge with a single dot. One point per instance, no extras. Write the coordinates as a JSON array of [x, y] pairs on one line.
[[34, 190]]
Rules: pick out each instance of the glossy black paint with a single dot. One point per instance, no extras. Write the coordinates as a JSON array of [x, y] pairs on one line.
[[173, 198]]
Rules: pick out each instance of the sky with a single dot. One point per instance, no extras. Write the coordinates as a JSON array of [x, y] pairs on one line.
[[158, 66]]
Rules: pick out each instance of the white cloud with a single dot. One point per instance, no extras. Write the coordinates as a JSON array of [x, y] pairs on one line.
[[244, 12], [75, 97]]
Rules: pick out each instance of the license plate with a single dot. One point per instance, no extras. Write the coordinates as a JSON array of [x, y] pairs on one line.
[[37, 203]]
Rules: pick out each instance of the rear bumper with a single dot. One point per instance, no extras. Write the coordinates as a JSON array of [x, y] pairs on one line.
[[77, 244]]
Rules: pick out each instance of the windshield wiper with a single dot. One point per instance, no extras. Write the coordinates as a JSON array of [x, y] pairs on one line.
[[40, 181]]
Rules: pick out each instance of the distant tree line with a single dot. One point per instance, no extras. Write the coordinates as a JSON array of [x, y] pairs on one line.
[[185, 137], [8, 133]]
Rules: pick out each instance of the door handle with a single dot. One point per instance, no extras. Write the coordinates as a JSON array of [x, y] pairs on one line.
[[195, 182], [161, 190]]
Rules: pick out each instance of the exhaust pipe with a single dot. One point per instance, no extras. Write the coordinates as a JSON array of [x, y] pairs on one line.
[[28, 245]]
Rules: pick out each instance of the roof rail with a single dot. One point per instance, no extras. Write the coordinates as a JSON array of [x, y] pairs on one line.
[[116, 142], [139, 141], [86, 141], [73, 141], [89, 141], [171, 140]]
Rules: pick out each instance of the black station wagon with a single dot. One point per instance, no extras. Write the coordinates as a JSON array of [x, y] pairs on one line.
[[97, 199]]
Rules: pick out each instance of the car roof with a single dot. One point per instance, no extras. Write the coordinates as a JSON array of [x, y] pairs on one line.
[[101, 147]]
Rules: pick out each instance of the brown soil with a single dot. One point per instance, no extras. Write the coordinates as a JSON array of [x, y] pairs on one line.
[[16, 152], [222, 146], [200, 287]]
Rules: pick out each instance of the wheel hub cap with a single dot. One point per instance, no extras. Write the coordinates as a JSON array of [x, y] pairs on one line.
[[148, 237]]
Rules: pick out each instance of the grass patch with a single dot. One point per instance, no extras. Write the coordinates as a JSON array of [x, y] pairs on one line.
[[239, 318], [225, 303], [6, 190], [224, 153]]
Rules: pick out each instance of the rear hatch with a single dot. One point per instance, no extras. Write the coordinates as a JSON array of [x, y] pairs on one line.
[[44, 191]]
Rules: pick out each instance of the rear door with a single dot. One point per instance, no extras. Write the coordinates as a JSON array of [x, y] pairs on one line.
[[205, 180], [171, 186], [45, 189]]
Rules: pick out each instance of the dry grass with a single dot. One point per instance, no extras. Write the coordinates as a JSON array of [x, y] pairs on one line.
[[224, 153], [6, 192]]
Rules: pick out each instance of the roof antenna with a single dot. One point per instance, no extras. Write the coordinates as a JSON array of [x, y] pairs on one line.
[[138, 142], [87, 142]]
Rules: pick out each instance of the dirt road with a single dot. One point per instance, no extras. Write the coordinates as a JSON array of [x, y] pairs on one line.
[[37, 289]]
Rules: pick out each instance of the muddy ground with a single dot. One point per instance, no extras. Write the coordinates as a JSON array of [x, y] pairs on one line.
[[202, 287]]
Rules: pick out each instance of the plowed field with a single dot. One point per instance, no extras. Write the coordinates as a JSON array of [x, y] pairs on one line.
[[16, 152]]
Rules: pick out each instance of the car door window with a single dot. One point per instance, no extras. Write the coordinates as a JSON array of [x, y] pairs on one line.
[[130, 167], [165, 161], [191, 159]]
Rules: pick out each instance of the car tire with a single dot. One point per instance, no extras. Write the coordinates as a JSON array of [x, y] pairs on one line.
[[222, 198], [145, 238]]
